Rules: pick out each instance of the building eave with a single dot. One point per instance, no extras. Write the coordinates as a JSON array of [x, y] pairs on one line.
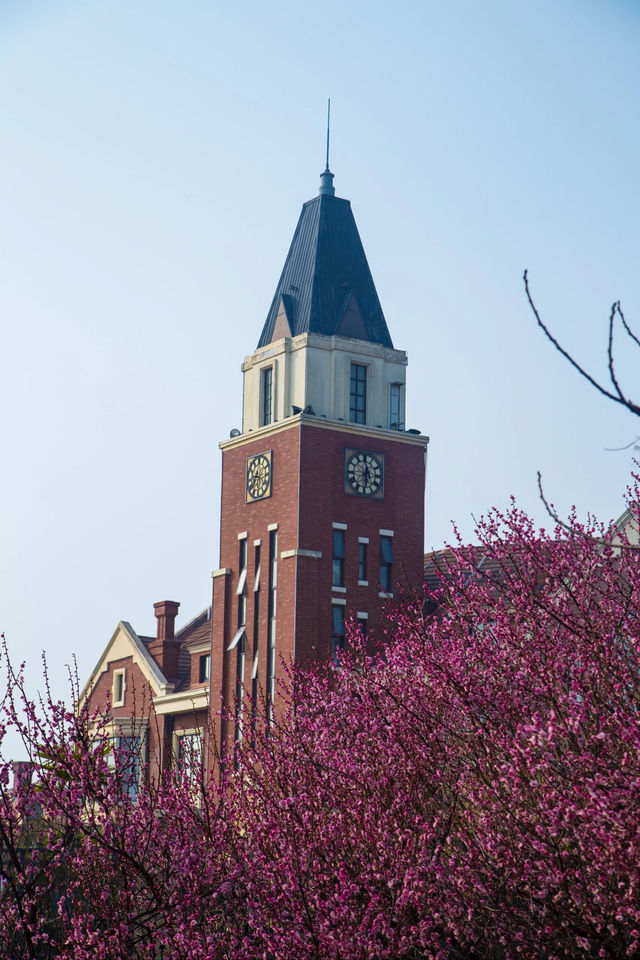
[[402, 436], [185, 701]]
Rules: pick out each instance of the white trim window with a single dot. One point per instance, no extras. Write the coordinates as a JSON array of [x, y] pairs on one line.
[[337, 579], [386, 563], [188, 753], [337, 631], [358, 393], [126, 758], [396, 406], [266, 396], [119, 687]]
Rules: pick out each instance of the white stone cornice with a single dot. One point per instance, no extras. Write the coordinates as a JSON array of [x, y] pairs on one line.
[[185, 701]]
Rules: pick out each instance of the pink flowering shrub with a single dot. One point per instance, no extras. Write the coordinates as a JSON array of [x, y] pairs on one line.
[[90, 869], [473, 791]]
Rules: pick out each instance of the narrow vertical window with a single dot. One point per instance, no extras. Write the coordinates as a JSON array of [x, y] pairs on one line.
[[362, 561], [337, 631], [189, 757], [126, 758], [267, 396], [271, 638], [204, 671], [386, 563], [256, 636], [241, 592], [240, 656], [241, 589], [358, 393], [363, 620], [119, 687], [338, 558], [396, 416]]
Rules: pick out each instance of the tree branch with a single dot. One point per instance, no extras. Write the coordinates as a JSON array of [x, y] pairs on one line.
[[617, 397]]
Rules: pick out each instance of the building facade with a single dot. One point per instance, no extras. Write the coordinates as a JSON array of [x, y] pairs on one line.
[[322, 500], [322, 512]]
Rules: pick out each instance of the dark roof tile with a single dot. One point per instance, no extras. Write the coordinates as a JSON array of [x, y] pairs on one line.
[[326, 263]]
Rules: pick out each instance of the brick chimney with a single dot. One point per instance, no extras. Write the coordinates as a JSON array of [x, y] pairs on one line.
[[165, 649], [166, 611], [22, 773]]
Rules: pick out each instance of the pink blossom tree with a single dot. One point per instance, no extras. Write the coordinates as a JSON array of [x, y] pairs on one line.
[[474, 791], [90, 868], [471, 791]]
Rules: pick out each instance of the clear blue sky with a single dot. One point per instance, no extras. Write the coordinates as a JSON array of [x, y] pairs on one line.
[[153, 163]]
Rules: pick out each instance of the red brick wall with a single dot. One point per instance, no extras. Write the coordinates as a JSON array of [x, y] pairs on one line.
[[192, 720], [308, 495], [324, 501], [254, 518], [137, 705]]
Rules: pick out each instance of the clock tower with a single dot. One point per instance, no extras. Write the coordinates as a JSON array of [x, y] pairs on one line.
[[322, 507]]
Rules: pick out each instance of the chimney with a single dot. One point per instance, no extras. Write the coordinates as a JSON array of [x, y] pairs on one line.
[[166, 611], [22, 773], [165, 650]]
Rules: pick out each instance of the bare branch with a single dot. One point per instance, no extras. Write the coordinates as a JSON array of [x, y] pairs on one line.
[[603, 541], [627, 446], [612, 375], [627, 327], [617, 397], [550, 509]]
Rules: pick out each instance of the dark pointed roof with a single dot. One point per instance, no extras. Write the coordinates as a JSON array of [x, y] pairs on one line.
[[326, 282]]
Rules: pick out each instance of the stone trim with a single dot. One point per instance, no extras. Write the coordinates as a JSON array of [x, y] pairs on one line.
[[313, 554]]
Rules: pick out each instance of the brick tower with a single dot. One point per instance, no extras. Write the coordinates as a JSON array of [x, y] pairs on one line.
[[322, 513]]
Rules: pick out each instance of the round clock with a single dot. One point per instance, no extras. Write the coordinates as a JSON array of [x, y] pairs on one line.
[[365, 473], [259, 476]]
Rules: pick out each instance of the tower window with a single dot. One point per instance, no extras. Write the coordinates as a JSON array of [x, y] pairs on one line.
[[338, 558], [396, 415], [256, 632], [386, 563], [271, 615], [240, 654], [362, 561], [267, 396], [241, 589], [358, 393], [241, 592], [337, 631], [242, 553]]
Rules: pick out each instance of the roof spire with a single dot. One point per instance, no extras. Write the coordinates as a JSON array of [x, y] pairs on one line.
[[326, 177], [328, 128]]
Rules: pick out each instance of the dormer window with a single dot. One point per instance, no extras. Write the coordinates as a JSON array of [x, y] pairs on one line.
[[266, 396], [358, 393]]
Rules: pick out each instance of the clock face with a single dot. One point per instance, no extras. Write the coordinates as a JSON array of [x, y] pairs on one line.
[[259, 477], [364, 473]]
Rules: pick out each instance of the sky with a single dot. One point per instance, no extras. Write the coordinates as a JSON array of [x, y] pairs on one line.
[[154, 159]]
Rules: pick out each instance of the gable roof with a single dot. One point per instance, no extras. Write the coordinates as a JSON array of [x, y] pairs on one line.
[[627, 526], [325, 275], [124, 643]]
